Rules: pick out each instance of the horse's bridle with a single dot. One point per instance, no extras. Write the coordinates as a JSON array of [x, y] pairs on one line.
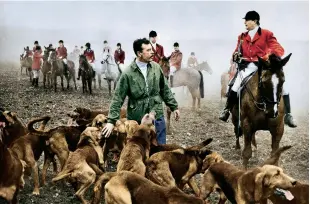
[[265, 100]]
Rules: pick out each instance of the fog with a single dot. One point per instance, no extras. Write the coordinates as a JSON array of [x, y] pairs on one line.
[[210, 29]]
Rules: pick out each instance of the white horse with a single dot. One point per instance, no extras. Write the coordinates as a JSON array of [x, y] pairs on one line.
[[111, 71]]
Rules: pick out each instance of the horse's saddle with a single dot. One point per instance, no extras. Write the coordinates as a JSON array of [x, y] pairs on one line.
[[244, 81]]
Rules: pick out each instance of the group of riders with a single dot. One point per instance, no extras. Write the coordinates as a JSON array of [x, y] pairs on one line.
[[244, 59]]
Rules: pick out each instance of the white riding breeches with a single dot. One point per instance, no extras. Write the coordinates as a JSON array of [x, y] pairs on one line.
[[36, 73], [243, 74], [64, 60], [246, 72], [172, 70], [121, 66]]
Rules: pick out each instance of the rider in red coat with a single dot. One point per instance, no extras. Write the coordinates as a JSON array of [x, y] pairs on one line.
[[90, 56], [256, 42], [157, 48]]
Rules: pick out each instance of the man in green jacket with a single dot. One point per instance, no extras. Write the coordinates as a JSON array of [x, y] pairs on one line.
[[146, 87]]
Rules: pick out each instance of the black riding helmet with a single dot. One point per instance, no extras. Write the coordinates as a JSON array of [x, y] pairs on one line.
[[61, 41], [87, 45]]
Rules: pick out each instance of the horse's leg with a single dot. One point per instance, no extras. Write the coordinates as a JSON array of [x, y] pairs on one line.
[[114, 82], [99, 81], [44, 80], [74, 80], [62, 81], [89, 85], [94, 79], [109, 83], [168, 120], [192, 91], [247, 137], [276, 136], [55, 82], [68, 80]]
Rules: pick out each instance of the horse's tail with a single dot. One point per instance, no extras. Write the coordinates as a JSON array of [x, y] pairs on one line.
[[201, 86]]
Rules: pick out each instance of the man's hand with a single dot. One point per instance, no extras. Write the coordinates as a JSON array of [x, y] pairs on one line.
[[107, 130], [237, 56], [176, 115]]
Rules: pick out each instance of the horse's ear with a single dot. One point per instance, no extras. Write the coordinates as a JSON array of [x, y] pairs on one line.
[[286, 59], [45, 47], [262, 62]]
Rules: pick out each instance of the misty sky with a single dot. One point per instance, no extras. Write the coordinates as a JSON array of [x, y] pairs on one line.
[[173, 20], [210, 29]]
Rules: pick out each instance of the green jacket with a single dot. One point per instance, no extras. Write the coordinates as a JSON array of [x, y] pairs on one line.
[[141, 100]]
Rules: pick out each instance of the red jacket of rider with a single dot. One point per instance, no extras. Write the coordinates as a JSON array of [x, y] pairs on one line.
[[62, 52], [160, 52], [90, 55], [119, 56], [263, 44]]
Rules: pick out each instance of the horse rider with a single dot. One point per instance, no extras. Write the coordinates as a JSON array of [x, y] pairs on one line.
[[76, 50], [157, 48], [145, 99], [175, 60], [192, 61], [257, 42], [119, 56], [62, 54], [90, 56], [36, 43], [27, 53], [107, 53], [36, 65]]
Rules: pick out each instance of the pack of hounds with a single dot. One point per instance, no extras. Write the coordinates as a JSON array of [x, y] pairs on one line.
[[146, 171]]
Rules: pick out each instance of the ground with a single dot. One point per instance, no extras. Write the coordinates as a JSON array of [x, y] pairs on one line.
[[16, 94]]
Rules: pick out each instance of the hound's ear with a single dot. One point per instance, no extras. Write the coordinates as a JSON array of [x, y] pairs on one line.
[[154, 138], [259, 186]]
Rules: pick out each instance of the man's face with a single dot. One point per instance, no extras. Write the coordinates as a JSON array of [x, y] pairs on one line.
[[118, 47], [176, 48], [147, 53], [153, 39], [36, 44], [106, 44], [60, 44], [249, 24]]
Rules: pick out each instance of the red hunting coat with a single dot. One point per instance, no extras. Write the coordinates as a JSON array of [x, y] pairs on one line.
[[160, 52], [90, 55], [176, 59], [119, 56], [263, 44], [34, 50], [62, 52], [36, 60]]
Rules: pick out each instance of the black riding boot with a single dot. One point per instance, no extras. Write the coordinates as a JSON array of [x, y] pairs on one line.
[[37, 82], [65, 69], [171, 81], [79, 74], [231, 100], [288, 118], [33, 81]]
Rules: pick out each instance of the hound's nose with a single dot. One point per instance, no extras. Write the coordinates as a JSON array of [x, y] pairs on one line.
[[294, 183]]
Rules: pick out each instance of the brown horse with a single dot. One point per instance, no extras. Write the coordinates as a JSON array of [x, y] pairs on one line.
[[46, 69], [261, 105], [58, 70], [87, 73], [224, 84]]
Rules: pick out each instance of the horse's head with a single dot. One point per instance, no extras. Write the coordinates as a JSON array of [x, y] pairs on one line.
[[271, 82], [205, 66], [21, 57], [82, 59], [51, 55], [45, 53]]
